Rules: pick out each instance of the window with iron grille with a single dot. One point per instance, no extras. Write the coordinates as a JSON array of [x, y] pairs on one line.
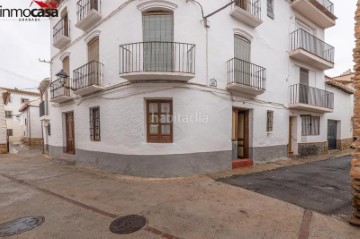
[[95, 124], [310, 125], [8, 114], [270, 8], [159, 121], [269, 121], [10, 132]]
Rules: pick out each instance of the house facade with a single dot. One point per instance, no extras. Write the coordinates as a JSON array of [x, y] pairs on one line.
[[14, 99], [161, 88], [30, 122], [3, 131]]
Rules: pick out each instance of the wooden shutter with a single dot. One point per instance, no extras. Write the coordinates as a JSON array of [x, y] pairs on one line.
[[93, 50], [304, 76], [66, 65]]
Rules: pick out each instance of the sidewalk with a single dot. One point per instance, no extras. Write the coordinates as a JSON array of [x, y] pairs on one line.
[[81, 203], [257, 168]]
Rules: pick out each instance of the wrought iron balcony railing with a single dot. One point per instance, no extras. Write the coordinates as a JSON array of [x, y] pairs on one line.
[[172, 57], [301, 39], [85, 6], [246, 73], [251, 6], [62, 28], [60, 87], [88, 75], [304, 94]]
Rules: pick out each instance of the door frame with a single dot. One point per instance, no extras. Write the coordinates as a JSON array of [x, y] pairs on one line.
[[66, 132], [246, 130]]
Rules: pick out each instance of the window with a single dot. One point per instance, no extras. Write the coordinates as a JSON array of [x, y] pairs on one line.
[[310, 125], [95, 124], [23, 100], [49, 130], [269, 121], [270, 8], [10, 132], [159, 121], [25, 121], [8, 114]]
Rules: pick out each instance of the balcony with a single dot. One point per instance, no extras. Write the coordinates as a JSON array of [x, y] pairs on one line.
[[88, 78], [320, 12], [60, 90], [168, 61], [245, 77], [303, 97], [61, 33], [247, 11], [88, 13], [311, 50]]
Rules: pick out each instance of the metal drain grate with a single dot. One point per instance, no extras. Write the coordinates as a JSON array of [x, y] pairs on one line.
[[20, 225], [127, 224]]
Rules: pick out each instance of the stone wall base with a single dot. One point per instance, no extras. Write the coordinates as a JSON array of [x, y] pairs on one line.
[[344, 144], [309, 149], [34, 142]]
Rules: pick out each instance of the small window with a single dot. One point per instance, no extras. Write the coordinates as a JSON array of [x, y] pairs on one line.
[[270, 8], [49, 130], [269, 121], [310, 125], [95, 124], [23, 100], [10, 132], [25, 121], [8, 114], [159, 121]]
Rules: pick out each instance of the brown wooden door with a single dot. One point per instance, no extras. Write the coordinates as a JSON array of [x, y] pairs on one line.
[[241, 133], [290, 152], [66, 65], [93, 58], [93, 50], [70, 133]]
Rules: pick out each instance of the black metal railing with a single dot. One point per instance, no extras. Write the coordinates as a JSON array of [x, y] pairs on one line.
[[246, 73], [328, 5], [60, 87], [304, 94], [251, 6], [301, 39], [88, 75], [62, 28], [42, 108], [157, 57], [85, 6]]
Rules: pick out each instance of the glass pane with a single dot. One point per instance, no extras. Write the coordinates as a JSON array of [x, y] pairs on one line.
[[153, 107], [154, 118], [165, 107], [154, 129], [165, 129], [165, 118]]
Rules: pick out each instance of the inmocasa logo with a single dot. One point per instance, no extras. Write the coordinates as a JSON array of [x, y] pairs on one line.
[[44, 9]]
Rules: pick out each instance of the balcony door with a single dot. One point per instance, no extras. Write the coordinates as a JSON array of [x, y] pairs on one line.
[[304, 86], [242, 62], [158, 37], [70, 135], [242, 4], [93, 59]]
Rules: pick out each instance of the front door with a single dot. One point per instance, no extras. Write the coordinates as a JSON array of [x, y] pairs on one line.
[[70, 136], [240, 134], [332, 132]]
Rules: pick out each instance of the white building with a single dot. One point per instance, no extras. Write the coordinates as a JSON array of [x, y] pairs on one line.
[[242, 82], [3, 131], [14, 100], [30, 122]]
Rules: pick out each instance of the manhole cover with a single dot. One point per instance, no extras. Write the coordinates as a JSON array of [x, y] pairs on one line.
[[20, 225], [128, 224]]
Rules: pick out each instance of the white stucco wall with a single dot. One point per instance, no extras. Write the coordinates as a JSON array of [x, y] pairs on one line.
[[2, 121], [122, 110]]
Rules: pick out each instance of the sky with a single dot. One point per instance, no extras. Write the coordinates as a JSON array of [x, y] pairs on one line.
[[22, 44]]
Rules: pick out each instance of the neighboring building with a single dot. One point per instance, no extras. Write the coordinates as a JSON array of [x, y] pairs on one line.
[[3, 131], [156, 89], [44, 113], [14, 100], [30, 122], [340, 127]]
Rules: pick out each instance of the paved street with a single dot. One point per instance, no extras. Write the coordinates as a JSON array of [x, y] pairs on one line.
[[81, 203], [322, 186]]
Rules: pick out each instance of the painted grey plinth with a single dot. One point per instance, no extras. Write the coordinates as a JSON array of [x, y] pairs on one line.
[[266, 154], [157, 166]]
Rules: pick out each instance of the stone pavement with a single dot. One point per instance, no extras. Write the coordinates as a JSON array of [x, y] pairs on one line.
[[81, 203]]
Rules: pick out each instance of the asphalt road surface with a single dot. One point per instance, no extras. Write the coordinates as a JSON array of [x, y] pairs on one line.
[[322, 186]]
